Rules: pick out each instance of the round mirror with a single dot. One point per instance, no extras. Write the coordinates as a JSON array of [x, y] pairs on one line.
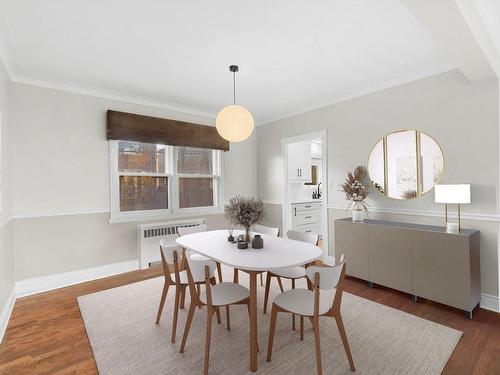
[[405, 164]]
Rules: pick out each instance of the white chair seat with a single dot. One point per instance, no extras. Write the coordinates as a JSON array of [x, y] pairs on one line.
[[226, 294], [301, 301], [199, 257], [291, 273]]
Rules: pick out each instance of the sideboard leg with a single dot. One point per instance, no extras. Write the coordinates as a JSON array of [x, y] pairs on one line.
[[468, 315], [370, 284], [414, 298]]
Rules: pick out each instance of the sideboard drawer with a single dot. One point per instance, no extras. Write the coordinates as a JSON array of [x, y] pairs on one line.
[[391, 268], [390, 238]]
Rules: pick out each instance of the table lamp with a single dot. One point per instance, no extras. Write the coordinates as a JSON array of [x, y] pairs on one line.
[[454, 194]]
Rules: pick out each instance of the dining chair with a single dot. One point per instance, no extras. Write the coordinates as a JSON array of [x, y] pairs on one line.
[[182, 231], [214, 297], [323, 300], [170, 259], [291, 273]]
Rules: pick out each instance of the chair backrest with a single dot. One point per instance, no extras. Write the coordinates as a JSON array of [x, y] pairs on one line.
[[197, 268], [270, 231], [340, 260], [169, 250], [329, 276], [182, 231], [304, 237], [170, 255]]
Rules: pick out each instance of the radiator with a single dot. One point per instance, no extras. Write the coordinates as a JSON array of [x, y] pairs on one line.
[[149, 236]]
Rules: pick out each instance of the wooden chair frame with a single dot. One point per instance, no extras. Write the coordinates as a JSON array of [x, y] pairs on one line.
[[211, 309], [180, 289], [269, 277], [219, 268], [334, 312]]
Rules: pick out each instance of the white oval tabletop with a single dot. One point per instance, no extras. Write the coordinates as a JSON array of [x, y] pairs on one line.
[[277, 252]]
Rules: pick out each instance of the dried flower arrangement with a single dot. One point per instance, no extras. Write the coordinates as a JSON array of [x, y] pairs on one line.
[[244, 212], [354, 190]]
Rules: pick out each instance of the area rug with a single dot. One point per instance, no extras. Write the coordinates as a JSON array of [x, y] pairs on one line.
[[120, 324]]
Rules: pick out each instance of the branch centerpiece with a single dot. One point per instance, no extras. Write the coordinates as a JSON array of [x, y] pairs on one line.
[[244, 212]]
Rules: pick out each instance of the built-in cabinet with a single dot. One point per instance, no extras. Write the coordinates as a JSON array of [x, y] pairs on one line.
[[422, 260], [299, 161], [306, 217]]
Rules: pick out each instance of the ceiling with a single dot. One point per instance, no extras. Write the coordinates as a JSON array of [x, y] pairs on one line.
[[294, 55]]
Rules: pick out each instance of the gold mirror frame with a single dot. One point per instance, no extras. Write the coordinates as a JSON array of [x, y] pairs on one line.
[[419, 181]]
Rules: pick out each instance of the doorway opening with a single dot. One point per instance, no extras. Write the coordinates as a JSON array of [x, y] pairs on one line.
[[305, 193]]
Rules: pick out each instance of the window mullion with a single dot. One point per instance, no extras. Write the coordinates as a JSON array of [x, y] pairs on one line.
[[171, 179]]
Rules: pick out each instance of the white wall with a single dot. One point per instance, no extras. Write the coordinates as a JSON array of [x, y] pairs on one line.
[[461, 116], [62, 168], [7, 278]]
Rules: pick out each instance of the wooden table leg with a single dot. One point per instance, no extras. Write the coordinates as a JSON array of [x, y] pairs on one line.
[[253, 321]]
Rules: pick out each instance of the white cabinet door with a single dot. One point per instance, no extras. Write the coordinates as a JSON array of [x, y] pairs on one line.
[[299, 161]]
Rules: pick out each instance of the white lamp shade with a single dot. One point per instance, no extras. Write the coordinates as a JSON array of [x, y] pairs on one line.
[[234, 123], [458, 194]]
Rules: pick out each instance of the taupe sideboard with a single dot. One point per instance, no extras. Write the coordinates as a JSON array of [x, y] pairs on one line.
[[422, 260]]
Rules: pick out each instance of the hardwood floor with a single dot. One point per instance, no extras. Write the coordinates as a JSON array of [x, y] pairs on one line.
[[46, 334]]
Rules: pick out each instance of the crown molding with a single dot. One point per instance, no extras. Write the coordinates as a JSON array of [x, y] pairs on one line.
[[365, 91], [108, 94]]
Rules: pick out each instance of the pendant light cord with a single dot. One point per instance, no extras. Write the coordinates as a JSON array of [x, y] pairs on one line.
[[234, 87]]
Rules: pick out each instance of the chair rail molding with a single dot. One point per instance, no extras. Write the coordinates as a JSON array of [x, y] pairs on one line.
[[5, 219], [35, 215], [398, 211], [265, 201]]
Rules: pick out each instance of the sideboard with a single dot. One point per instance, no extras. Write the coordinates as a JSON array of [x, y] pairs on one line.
[[422, 260]]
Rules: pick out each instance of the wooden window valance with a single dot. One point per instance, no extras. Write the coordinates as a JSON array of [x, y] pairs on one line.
[[131, 127]]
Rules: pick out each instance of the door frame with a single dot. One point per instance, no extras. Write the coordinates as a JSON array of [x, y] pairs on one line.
[[285, 209]]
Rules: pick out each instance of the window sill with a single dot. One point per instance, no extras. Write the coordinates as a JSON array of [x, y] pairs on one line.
[[141, 218]]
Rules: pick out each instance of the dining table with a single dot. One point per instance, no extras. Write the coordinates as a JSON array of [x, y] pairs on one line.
[[277, 253]]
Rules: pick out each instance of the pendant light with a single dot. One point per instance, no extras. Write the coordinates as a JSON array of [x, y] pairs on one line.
[[234, 122]]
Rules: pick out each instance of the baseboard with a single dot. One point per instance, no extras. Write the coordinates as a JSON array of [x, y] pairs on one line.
[[50, 282], [490, 302], [7, 310]]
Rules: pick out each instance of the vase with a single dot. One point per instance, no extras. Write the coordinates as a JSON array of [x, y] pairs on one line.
[[357, 213], [257, 242], [247, 233]]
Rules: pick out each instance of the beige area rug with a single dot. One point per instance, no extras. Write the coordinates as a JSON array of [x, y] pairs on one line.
[[121, 327]]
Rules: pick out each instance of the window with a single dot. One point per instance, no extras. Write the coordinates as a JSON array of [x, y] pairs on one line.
[[150, 180]]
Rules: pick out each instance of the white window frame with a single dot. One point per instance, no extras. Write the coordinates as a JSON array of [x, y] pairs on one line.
[[174, 211]]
